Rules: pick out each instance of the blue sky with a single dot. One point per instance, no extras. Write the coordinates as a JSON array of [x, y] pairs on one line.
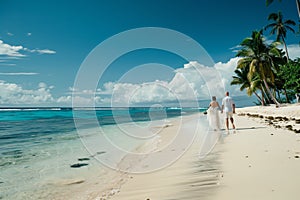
[[43, 43]]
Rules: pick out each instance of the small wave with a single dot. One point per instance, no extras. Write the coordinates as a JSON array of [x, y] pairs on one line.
[[29, 109], [174, 108]]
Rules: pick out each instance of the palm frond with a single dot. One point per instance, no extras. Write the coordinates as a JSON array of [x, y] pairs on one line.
[[290, 28], [290, 22], [269, 26], [273, 16]]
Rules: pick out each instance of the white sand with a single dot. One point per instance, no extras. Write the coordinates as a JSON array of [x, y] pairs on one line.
[[187, 178], [256, 161], [259, 162]]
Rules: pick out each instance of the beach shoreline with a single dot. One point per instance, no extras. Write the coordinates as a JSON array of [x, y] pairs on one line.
[[255, 161], [208, 172]]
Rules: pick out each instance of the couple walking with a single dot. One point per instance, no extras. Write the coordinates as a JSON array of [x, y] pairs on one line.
[[228, 108]]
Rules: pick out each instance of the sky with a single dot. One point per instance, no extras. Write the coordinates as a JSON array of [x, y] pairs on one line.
[[46, 47]]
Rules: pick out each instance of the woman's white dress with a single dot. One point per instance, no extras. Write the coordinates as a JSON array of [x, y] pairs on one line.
[[213, 116]]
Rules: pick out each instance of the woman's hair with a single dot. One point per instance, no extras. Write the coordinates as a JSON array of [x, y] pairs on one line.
[[213, 98]]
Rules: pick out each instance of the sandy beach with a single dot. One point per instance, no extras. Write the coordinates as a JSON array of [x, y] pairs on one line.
[[258, 160], [262, 160]]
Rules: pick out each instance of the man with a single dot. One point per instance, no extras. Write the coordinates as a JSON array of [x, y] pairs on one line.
[[228, 107]]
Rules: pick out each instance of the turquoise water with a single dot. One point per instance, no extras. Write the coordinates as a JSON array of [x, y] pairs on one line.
[[38, 146]]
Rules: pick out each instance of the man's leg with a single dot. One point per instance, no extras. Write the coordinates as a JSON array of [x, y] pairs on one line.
[[227, 124], [231, 119]]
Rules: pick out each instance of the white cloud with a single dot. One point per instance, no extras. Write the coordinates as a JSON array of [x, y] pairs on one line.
[[19, 73], [82, 101], [190, 83], [10, 50], [42, 85], [12, 94], [29, 34], [16, 51], [40, 51], [10, 34], [235, 48], [45, 51], [65, 99], [294, 51]]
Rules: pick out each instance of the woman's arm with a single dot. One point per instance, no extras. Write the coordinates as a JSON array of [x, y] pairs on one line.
[[219, 106]]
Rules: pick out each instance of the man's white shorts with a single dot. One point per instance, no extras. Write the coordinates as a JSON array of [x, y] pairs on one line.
[[228, 115]]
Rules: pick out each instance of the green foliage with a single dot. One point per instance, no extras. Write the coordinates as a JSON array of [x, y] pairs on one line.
[[241, 78], [279, 27], [291, 74], [258, 58], [266, 68]]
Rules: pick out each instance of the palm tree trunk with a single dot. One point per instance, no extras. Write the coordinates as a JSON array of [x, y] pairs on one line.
[[270, 93], [267, 99], [286, 50], [262, 98], [262, 103]]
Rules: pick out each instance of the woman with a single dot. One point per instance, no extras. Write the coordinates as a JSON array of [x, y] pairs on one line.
[[213, 114]]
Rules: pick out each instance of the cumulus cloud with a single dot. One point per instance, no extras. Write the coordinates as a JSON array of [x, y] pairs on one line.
[[82, 101], [190, 83], [12, 94], [10, 50], [226, 71], [294, 51]]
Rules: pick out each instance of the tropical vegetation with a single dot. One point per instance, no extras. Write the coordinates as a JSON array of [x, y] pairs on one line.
[[265, 70], [280, 28]]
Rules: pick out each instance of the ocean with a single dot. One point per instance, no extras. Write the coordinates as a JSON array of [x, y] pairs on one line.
[[42, 152], [40, 147]]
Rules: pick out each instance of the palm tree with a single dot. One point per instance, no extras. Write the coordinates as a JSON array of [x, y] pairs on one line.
[[241, 78], [280, 28], [258, 57]]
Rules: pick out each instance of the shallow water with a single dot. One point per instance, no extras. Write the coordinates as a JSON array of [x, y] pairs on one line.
[[38, 147]]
